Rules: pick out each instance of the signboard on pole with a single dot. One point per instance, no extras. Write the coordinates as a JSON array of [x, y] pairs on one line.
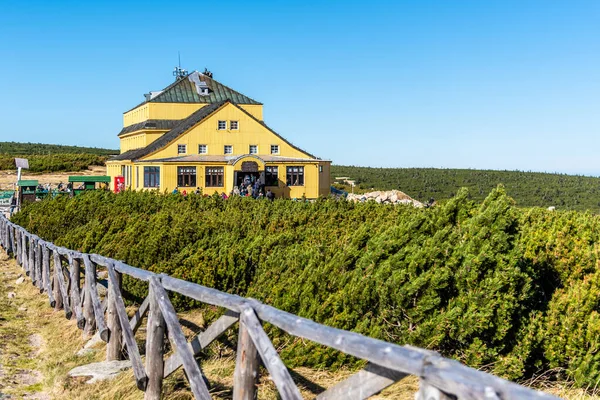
[[22, 163]]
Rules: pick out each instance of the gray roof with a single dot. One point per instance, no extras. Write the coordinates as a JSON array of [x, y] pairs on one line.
[[151, 124], [194, 158], [179, 129], [185, 125], [184, 90]]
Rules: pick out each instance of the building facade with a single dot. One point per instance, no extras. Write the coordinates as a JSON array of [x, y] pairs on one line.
[[198, 133]]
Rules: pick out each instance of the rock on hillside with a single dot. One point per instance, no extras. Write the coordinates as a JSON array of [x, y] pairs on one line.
[[389, 197]]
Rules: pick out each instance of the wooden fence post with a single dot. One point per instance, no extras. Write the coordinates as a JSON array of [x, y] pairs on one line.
[[9, 242], [58, 299], [88, 307], [18, 245], [13, 232], [30, 264], [114, 346], [429, 392], [92, 295], [179, 341], [23, 251], [59, 279], [12, 240], [154, 349], [75, 279], [32, 261], [28, 255], [132, 348], [246, 366], [38, 267], [46, 274]]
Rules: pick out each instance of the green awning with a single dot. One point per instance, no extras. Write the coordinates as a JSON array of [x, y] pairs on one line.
[[89, 179], [27, 182]]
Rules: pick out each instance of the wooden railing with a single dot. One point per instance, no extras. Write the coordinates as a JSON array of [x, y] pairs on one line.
[[58, 271]]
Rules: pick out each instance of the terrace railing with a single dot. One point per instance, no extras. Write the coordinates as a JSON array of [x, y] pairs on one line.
[[59, 272]]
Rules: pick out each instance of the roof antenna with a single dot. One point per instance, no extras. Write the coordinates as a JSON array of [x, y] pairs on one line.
[[207, 73], [178, 72]]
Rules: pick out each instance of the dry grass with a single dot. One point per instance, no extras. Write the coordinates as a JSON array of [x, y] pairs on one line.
[[55, 354], [8, 178]]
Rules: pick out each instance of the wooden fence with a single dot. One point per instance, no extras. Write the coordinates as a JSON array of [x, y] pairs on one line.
[[59, 272]]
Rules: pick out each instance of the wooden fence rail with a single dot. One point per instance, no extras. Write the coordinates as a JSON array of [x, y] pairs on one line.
[[60, 277]]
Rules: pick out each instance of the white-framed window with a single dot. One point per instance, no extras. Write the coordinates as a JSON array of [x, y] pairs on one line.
[[222, 125], [228, 149], [181, 149], [253, 149], [233, 125], [202, 149], [274, 149], [295, 176]]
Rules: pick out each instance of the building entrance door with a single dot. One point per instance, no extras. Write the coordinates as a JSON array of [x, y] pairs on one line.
[[248, 178]]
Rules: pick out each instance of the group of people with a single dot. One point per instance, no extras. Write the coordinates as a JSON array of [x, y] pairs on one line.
[[250, 187], [61, 187]]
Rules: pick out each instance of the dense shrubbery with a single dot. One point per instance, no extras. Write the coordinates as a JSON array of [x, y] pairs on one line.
[[54, 162], [529, 189], [512, 290], [52, 157]]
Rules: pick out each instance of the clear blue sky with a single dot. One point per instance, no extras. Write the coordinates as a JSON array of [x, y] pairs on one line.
[[501, 84]]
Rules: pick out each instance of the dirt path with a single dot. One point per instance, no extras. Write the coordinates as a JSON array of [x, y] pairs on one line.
[[20, 340]]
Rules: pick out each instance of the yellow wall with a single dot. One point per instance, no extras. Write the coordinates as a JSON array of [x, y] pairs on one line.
[[133, 142], [255, 109], [160, 111], [249, 132], [136, 115], [176, 111], [315, 183], [139, 139], [152, 136], [112, 169]]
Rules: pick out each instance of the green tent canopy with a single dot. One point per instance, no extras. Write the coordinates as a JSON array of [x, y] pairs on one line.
[[26, 183], [89, 179]]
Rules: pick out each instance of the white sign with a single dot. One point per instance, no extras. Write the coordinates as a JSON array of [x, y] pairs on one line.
[[22, 163]]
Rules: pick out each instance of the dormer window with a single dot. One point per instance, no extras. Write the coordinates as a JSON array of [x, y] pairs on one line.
[[201, 86]]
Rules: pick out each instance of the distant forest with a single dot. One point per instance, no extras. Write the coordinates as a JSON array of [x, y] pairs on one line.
[[52, 157], [529, 189], [22, 149]]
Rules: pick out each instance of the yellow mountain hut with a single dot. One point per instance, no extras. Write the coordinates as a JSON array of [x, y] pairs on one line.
[[198, 133]]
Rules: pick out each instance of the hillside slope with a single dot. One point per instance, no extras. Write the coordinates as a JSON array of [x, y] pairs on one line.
[[52, 157], [528, 189], [16, 148]]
